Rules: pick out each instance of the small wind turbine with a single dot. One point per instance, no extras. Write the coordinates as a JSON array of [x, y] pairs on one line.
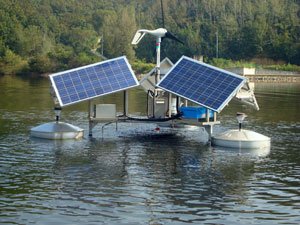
[[160, 34]]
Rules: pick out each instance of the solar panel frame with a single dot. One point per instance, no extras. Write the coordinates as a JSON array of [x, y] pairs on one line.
[[92, 81], [185, 82]]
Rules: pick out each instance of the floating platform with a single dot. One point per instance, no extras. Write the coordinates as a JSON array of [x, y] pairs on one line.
[[241, 139], [57, 130]]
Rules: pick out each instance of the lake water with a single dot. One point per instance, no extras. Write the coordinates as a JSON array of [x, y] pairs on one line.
[[137, 175]]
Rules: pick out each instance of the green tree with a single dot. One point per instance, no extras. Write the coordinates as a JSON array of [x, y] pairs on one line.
[[12, 64], [62, 33], [119, 28]]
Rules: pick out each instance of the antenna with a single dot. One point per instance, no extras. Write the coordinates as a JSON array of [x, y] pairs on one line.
[[162, 13]]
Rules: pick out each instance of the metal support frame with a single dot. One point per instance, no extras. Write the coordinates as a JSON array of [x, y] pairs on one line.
[[169, 104], [91, 125], [153, 103], [178, 104], [125, 103], [208, 125], [106, 124]]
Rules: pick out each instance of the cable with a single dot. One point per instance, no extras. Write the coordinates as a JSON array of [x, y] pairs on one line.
[[178, 115], [177, 105]]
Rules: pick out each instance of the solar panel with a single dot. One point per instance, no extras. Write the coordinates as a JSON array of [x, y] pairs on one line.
[[201, 83], [92, 81]]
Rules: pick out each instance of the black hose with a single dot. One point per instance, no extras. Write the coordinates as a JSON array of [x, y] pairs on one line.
[[177, 105], [178, 115], [151, 92]]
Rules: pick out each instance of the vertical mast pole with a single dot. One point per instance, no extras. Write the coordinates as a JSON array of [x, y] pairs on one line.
[[157, 74], [158, 41]]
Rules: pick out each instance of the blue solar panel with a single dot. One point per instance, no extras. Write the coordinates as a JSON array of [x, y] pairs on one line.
[[92, 81], [203, 84]]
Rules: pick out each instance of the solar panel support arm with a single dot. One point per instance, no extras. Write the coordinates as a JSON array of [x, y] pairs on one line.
[[209, 130], [207, 115], [185, 103], [154, 103], [125, 103], [215, 116], [169, 104], [91, 125]]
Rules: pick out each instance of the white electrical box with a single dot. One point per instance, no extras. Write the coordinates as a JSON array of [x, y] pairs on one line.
[[105, 111], [161, 108]]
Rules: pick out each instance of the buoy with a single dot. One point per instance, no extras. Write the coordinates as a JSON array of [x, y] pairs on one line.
[[241, 139], [56, 130]]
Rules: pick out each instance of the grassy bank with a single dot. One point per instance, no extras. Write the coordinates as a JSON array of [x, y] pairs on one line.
[[228, 64]]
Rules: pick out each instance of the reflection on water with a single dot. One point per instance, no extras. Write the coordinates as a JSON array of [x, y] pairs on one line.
[[136, 175]]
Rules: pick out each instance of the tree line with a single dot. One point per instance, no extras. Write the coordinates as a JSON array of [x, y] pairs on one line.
[[45, 36]]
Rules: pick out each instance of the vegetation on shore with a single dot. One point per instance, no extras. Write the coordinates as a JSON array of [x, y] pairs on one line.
[[45, 36], [285, 67], [226, 63]]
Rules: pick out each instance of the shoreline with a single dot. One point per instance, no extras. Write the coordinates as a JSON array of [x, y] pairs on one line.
[[269, 78], [256, 78]]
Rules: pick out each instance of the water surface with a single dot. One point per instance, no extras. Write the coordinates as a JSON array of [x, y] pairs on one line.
[[136, 175]]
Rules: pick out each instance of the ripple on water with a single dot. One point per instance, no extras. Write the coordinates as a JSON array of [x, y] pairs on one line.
[[136, 175]]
